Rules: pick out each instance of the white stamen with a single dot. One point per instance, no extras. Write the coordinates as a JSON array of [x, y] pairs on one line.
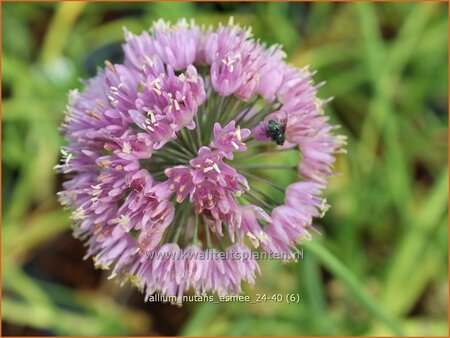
[[105, 163], [126, 148], [324, 207], [238, 133], [96, 193], [122, 220], [78, 214], [100, 102], [112, 275], [148, 60], [216, 168], [152, 116], [262, 236], [69, 157], [110, 66], [253, 239]]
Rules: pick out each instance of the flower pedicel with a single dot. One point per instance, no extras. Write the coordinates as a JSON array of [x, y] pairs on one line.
[[160, 158]]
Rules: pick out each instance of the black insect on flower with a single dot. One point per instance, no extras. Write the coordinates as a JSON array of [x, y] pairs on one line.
[[276, 131]]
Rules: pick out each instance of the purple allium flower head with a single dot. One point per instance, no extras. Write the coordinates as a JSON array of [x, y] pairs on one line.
[[174, 158]]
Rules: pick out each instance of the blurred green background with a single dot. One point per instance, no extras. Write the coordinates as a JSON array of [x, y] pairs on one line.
[[381, 264]]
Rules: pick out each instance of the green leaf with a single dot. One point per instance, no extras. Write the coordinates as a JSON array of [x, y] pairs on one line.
[[418, 248], [357, 289]]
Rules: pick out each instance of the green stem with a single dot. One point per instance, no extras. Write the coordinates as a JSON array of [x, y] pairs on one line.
[[192, 141], [266, 196], [184, 145], [258, 200], [213, 116], [157, 173], [195, 234], [223, 107], [198, 131], [260, 151], [228, 110], [256, 177], [261, 115], [248, 108], [208, 236], [219, 240], [182, 155], [182, 211], [268, 167], [60, 28]]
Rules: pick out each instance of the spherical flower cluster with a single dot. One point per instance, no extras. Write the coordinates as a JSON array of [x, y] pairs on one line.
[[161, 158]]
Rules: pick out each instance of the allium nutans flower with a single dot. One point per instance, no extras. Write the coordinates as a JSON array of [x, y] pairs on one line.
[[169, 156]]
